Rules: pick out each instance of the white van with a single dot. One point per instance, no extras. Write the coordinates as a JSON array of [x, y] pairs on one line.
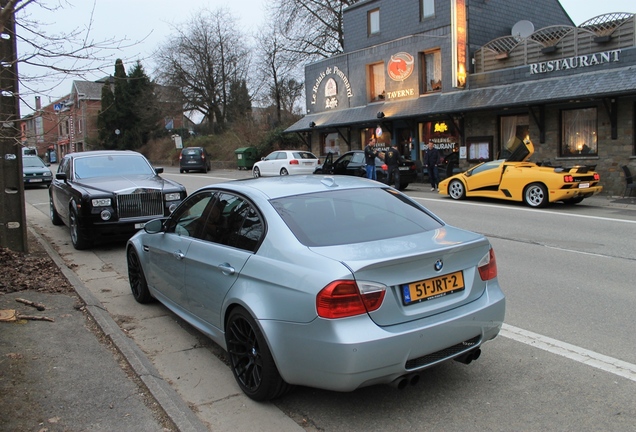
[[29, 151]]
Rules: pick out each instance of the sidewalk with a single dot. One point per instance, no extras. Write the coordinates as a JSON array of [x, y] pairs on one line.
[[145, 371]]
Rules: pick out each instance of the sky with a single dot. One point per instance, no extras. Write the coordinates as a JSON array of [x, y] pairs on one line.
[[149, 23]]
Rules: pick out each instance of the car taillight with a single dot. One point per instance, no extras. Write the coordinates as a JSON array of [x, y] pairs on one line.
[[293, 162], [597, 176], [488, 266], [345, 298], [568, 179]]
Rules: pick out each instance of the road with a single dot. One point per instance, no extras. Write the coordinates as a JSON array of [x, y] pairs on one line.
[[566, 359]]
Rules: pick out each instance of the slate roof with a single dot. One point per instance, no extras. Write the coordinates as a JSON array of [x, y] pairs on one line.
[[591, 85], [91, 90]]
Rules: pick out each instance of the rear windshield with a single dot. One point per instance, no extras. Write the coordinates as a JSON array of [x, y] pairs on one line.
[[192, 151], [352, 216], [304, 155]]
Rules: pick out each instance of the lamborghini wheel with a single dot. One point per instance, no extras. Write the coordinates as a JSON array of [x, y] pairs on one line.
[[456, 190], [535, 195]]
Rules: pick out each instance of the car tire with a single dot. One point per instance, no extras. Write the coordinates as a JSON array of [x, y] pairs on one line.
[[403, 186], [456, 190], [55, 216], [256, 173], [78, 241], [283, 171], [251, 361], [137, 278], [181, 171], [535, 195]]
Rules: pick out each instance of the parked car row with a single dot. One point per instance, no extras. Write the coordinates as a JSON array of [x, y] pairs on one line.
[[263, 266]]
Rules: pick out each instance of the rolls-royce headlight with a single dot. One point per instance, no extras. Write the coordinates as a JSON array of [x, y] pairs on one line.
[[173, 196], [101, 202]]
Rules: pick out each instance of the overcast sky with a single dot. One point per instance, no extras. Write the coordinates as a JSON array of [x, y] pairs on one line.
[[152, 21]]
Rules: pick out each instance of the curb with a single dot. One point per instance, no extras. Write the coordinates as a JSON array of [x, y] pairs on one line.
[[167, 398]]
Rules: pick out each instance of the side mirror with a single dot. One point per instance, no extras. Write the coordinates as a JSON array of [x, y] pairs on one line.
[[60, 176], [154, 226], [159, 170]]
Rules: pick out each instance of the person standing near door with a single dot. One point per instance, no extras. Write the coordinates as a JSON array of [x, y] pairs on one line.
[[393, 159], [369, 158], [453, 161], [431, 159]]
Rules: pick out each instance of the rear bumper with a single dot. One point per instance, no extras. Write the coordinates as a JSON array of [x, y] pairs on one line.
[[346, 354], [565, 194]]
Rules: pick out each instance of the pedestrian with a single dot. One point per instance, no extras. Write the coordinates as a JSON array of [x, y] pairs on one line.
[[369, 158], [453, 161], [431, 159], [393, 159]]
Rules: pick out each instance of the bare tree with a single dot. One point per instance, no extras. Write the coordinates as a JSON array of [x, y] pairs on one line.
[[276, 69], [47, 53], [312, 28], [203, 59], [47, 58]]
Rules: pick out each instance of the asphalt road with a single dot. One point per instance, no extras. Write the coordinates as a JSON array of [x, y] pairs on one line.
[[566, 359]]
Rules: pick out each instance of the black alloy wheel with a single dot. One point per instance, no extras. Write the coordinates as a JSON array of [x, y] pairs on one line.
[[137, 278], [250, 358], [79, 242], [55, 217]]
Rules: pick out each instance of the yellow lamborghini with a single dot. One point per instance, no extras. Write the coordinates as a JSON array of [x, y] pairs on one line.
[[516, 179]]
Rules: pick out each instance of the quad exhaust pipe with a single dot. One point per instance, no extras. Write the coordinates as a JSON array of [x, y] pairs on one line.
[[402, 382]]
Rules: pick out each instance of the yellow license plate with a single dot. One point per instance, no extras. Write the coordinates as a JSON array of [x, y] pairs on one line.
[[433, 288]]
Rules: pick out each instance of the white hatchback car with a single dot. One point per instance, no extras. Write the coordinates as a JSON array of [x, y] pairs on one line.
[[285, 162]]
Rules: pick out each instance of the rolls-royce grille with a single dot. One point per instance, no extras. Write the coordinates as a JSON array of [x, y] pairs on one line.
[[443, 354], [140, 204]]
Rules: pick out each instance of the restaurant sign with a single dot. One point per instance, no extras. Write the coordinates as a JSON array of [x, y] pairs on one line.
[[575, 62]]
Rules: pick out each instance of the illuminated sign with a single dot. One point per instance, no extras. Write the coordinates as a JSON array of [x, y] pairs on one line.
[[401, 66], [331, 84], [440, 127], [459, 39]]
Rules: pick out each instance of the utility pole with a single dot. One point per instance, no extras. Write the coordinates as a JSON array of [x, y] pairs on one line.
[[13, 233]]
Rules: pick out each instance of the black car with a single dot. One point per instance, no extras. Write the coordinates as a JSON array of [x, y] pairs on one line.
[[352, 163], [109, 195], [194, 159]]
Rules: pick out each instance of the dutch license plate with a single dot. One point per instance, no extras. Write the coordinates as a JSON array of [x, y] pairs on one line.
[[584, 185], [432, 288], [34, 180], [140, 225]]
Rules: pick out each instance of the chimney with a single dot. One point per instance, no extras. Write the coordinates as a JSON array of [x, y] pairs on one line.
[[38, 104]]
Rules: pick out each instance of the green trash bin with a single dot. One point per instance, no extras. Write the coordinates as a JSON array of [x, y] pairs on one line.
[[245, 157]]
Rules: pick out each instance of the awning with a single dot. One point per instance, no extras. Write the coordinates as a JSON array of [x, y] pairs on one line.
[[589, 85]]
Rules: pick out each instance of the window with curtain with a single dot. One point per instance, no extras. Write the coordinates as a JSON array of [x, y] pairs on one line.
[[578, 132], [513, 129], [376, 82], [430, 71], [428, 8], [373, 24]]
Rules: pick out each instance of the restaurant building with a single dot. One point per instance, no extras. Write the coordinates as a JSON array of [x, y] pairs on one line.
[[480, 74]]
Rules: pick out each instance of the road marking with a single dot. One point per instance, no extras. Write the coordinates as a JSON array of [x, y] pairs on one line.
[[590, 358], [533, 210]]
